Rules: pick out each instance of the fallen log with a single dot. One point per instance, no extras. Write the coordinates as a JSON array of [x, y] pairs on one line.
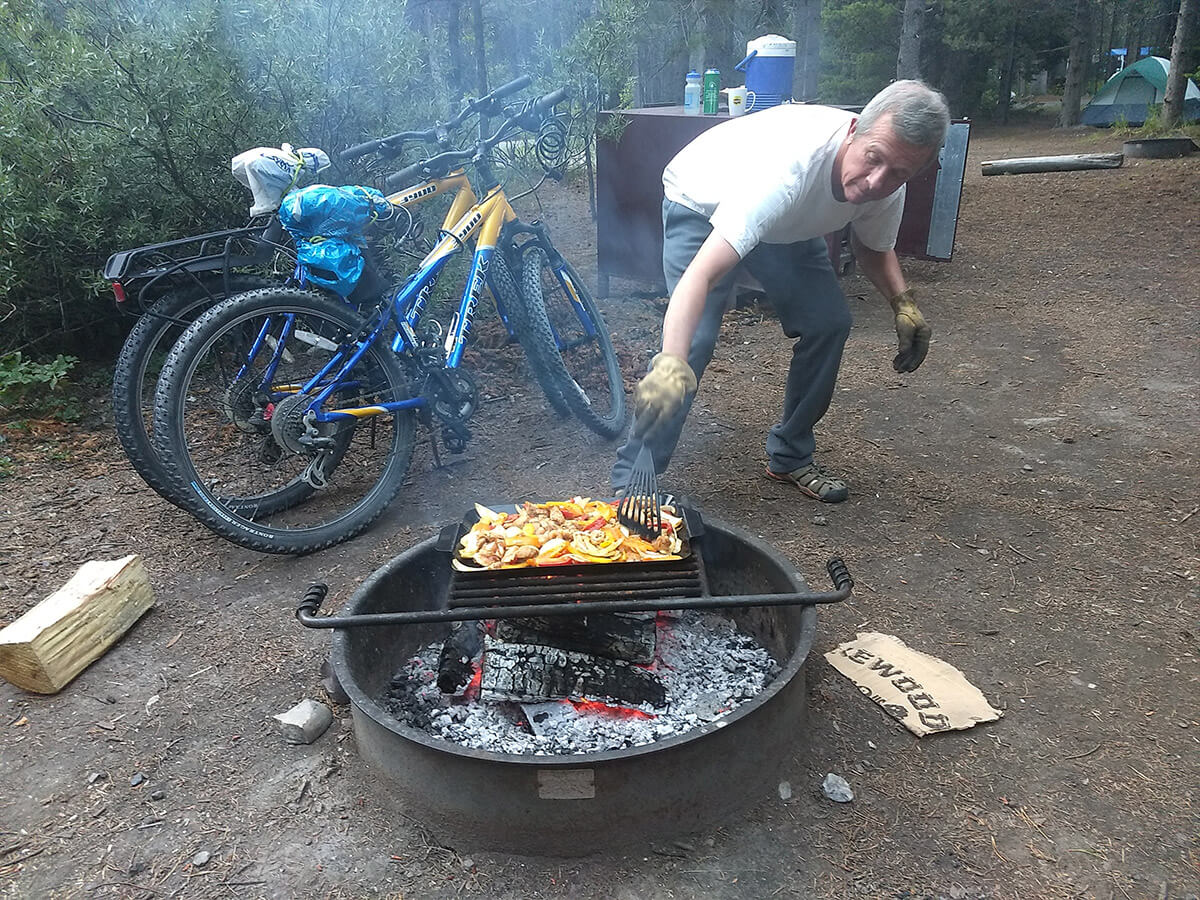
[[46, 648], [1028, 164]]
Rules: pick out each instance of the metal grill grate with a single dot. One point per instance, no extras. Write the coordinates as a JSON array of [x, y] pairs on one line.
[[596, 583]]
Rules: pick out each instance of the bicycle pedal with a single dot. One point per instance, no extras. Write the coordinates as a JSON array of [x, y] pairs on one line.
[[455, 438]]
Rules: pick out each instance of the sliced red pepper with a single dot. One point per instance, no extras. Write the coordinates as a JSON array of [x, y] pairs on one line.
[[598, 522]]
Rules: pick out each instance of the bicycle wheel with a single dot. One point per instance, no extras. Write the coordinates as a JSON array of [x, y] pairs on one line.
[[570, 335], [504, 288], [232, 422], [136, 373]]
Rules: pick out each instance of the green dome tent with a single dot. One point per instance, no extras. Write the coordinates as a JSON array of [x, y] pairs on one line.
[[1129, 94]]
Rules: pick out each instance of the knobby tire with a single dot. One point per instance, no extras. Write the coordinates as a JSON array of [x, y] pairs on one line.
[[504, 288], [221, 435], [584, 366], [136, 375]]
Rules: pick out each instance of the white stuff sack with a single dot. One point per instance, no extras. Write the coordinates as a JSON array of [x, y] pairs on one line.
[[271, 172]]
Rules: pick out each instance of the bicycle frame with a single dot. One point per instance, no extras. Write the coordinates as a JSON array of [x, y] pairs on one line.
[[466, 219]]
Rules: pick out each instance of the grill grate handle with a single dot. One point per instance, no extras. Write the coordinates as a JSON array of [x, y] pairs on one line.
[[838, 573]]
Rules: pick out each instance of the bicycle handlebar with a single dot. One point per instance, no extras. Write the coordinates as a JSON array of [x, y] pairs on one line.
[[530, 118], [439, 133], [547, 102], [386, 143]]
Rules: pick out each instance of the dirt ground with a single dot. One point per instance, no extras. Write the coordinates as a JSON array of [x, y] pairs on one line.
[[1024, 507]]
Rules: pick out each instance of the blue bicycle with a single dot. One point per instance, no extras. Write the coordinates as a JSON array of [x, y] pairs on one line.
[[305, 409]]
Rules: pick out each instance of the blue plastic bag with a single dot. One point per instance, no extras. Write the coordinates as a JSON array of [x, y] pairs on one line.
[[327, 224]]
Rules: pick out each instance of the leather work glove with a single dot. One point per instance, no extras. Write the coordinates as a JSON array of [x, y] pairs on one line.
[[912, 332], [662, 393]]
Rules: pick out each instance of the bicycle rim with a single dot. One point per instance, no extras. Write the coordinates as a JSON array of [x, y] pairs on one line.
[[237, 423], [580, 347]]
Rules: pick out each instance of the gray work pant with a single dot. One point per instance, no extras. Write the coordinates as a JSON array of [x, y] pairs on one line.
[[800, 283]]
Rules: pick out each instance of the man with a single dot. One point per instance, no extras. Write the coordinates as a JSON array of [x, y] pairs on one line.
[[759, 193]]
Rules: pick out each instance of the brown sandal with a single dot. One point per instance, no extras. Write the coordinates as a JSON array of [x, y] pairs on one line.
[[814, 482]]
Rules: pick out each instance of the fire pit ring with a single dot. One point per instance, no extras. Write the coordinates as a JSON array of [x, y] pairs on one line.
[[573, 805]]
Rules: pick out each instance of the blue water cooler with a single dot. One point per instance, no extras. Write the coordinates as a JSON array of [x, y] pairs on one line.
[[769, 65]]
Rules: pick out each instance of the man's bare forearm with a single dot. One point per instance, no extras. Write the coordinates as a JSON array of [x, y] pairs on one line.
[[882, 268], [712, 262]]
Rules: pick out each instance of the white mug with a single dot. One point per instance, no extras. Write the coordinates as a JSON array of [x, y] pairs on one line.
[[741, 101]]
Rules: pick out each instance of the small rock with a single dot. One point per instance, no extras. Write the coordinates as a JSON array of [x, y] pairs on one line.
[[304, 722], [468, 864], [96, 776], [136, 779], [820, 520], [1027, 467], [871, 744], [201, 859], [158, 795], [1068, 440], [957, 892], [785, 790], [836, 788]]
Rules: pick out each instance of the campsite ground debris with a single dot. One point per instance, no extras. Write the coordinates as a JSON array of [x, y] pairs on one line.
[[1065, 313]]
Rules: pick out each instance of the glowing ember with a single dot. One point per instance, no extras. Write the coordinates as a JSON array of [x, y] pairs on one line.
[[707, 666], [605, 709]]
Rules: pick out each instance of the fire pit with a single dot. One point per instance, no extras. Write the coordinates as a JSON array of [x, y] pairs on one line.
[[583, 802]]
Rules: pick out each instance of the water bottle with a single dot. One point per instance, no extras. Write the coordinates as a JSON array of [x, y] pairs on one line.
[[691, 94], [712, 91]]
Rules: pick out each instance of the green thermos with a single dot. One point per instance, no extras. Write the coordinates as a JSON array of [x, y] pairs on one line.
[[712, 91]]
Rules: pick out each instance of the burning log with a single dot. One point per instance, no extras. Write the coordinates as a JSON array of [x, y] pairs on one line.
[[531, 672], [460, 652], [628, 636]]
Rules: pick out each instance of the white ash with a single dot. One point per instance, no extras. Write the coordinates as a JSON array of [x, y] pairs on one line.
[[709, 668]]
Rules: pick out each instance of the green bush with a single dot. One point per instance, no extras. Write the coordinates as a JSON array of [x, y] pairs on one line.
[[118, 121], [27, 385]]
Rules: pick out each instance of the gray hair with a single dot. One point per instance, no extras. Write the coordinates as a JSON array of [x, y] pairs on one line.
[[919, 114]]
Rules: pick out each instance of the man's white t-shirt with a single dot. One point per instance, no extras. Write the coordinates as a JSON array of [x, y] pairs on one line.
[[768, 177]]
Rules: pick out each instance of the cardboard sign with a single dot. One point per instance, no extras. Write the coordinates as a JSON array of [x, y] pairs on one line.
[[924, 693]]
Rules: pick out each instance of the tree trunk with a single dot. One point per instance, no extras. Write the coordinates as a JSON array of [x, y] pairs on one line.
[[1176, 82], [1106, 43], [454, 45], [481, 80], [433, 53], [1007, 80], [908, 62], [806, 28], [1076, 63]]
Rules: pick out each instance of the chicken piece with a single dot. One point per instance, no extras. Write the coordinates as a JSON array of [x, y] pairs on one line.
[[523, 553], [491, 549]]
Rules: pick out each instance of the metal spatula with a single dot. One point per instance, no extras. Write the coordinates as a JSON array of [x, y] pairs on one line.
[[640, 510]]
